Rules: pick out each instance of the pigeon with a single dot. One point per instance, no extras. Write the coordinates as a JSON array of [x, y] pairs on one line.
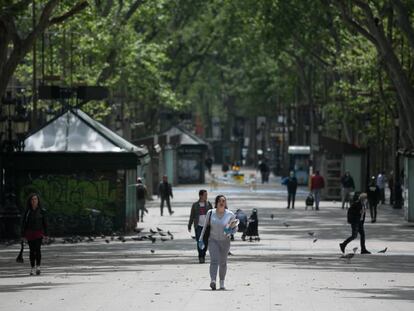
[[107, 241], [311, 233], [286, 224], [159, 229], [164, 239], [315, 240], [383, 251], [162, 233], [152, 251], [152, 231], [272, 216], [153, 240], [171, 235], [348, 256]]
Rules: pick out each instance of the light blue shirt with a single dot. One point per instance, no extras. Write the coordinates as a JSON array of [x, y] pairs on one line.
[[217, 224]]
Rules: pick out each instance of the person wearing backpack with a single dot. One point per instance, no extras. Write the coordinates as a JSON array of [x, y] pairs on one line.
[[142, 195], [356, 218]]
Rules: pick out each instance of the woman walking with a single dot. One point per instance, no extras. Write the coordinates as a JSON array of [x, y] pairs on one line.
[[222, 223], [34, 229]]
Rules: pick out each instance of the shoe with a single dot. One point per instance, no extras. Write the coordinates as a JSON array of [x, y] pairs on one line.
[[172, 212], [222, 285], [37, 270], [32, 271], [201, 260], [365, 252], [287, 207], [342, 247], [213, 285]]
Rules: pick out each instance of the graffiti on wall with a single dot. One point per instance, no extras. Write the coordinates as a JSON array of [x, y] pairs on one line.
[[75, 201], [68, 195]]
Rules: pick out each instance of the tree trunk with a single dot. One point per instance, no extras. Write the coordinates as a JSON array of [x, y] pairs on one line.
[[374, 32]]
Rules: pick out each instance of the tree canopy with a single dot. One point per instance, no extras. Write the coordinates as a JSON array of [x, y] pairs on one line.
[[335, 64]]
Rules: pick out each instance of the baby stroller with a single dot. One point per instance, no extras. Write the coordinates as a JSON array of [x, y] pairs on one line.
[[309, 201], [252, 229]]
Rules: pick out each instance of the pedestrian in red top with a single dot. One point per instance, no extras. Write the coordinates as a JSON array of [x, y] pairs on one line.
[[317, 184], [34, 229]]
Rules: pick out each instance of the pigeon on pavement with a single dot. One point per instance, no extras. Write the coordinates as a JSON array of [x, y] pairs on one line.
[[272, 216], [311, 233], [348, 256], [286, 224], [152, 231]]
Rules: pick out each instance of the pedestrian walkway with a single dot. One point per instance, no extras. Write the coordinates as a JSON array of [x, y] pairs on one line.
[[295, 266]]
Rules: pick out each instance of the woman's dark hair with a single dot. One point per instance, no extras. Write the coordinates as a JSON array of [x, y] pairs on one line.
[[201, 192], [218, 198], [29, 200]]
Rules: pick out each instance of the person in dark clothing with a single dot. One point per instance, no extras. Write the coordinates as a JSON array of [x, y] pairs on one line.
[[142, 196], [291, 184], [348, 186], [374, 195], [197, 219], [356, 218], [34, 229], [165, 192], [264, 171], [209, 164]]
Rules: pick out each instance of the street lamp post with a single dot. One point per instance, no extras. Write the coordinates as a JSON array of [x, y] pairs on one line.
[[14, 125]]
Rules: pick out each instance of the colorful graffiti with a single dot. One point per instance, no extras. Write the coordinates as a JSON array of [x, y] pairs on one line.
[[76, 202]]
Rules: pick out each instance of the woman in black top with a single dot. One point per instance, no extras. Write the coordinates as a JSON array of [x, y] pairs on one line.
[[34, 229]]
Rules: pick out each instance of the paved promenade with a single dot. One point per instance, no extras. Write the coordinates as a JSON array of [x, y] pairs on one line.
[[286, 270]]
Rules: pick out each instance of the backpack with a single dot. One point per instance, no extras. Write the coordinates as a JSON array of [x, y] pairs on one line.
[[140, 192]]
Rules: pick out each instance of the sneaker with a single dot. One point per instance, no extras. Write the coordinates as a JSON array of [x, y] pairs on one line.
[[32, 271], [172, 212], [365, 251], [37, 270], [213, 285], [222, 285], [342, 247]]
